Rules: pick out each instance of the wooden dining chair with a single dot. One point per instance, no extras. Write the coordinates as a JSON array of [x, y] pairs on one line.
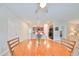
[[12, 43], [69, 44]]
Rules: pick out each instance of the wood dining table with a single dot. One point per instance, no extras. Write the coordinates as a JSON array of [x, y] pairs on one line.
[[47, 47]]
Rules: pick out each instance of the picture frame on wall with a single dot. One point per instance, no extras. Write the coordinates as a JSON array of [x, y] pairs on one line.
[[56, 28]]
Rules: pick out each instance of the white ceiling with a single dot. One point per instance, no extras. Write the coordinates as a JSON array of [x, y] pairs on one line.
[[59, 12]]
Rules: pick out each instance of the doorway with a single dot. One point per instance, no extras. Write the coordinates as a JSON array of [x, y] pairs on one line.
[[51, 31]]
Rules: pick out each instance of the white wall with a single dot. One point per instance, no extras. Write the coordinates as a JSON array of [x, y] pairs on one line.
[[3, 30], [24, 31], [10, 26], [3, 35], [17, 28], [59, 24]]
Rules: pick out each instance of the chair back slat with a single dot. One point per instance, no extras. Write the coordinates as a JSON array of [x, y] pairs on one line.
[[69, 45], [12, 43]]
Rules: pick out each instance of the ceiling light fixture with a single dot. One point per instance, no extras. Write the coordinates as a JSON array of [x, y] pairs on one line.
[[42, 4]]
